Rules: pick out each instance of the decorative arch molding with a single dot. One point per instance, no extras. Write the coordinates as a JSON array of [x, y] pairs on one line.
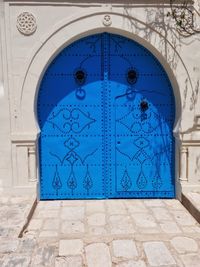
[[24, 137], [24, 127], [70, 30]]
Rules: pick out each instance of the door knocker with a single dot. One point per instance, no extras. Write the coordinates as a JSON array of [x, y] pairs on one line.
[[131, 76], [80, 78], [144, 107]]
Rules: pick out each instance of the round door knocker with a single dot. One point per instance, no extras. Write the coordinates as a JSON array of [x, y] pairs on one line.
[[80, 76], [80, 93], [132, 76], [144, 107]]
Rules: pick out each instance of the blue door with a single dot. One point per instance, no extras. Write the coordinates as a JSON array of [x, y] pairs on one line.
[[106, 112]]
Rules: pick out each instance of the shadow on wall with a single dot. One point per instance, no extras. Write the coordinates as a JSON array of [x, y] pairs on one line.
[[170, 46]]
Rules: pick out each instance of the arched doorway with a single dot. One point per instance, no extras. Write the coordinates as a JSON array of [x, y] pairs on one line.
[[106, 111]]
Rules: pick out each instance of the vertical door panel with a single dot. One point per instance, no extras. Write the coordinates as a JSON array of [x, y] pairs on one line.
[[142, 122], [70, 116]]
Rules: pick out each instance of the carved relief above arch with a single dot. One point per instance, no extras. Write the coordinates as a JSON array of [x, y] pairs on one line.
[[26, 23]]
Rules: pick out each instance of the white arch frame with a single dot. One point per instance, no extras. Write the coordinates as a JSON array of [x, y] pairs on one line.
[[65, 33]]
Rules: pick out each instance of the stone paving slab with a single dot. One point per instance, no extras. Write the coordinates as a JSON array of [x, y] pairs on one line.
[[13, 213], [106, 233]]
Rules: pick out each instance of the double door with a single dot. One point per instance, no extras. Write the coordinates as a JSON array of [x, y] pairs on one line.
[[106, 112]]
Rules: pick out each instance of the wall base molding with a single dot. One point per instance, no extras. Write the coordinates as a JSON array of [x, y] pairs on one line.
[[19, 190]]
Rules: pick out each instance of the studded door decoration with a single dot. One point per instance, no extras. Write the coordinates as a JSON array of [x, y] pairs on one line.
[[106, 112]]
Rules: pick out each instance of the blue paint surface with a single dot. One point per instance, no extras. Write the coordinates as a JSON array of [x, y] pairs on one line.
[[106, 133]]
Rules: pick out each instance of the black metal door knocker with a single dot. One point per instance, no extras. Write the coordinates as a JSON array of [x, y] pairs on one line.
[[144, 107], [80, 78], [131, 76]]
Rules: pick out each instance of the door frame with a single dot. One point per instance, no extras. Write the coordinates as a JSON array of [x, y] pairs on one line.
[[66, 33], [47, 192]]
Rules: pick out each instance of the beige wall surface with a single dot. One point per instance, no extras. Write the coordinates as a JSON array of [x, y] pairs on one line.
[[26, 49], [5, 144]]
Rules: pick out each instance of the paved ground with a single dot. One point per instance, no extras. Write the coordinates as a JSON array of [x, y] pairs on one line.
[[103, 233]]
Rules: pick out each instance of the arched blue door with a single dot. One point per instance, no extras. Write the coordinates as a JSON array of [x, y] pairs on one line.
[[106, 112]]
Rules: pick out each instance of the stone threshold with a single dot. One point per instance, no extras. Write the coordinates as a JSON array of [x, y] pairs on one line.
[[191, 201]]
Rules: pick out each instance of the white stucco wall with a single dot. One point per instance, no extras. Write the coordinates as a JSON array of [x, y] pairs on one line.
[[60, 23], [5, 144]]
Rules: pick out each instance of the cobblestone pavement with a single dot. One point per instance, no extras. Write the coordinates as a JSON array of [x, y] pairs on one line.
[[103, 233]]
